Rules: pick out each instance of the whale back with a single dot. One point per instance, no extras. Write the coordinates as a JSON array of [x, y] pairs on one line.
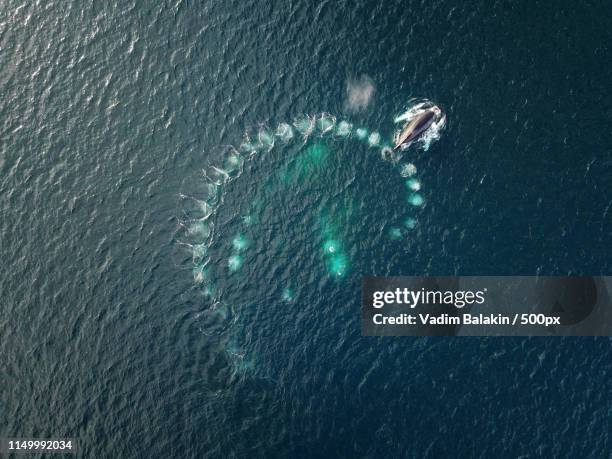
[[417, 126], [423, 121]]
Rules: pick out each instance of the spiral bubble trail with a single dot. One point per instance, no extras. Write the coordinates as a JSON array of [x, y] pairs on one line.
[[214, 273], [201, 210]]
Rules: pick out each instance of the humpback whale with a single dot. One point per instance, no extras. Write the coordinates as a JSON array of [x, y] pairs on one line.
[[418, 125]]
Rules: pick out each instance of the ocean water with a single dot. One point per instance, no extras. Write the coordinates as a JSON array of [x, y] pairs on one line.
[[140, 335]]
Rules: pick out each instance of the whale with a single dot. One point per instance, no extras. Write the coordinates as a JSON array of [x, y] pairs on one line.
[[417, 126]]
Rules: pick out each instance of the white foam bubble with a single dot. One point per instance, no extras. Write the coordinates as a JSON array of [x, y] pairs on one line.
[[234, 163], [408, 170], [416, 199], [284, 132], [266, 139], [248, 147], [234, 263], [199, 274], [205, 208], [413, 184], [199, 229], [374, 139], [216, 175], [199, 251], [304, 125], [386, 153], [344, 129], [211, 193], [326, 123]]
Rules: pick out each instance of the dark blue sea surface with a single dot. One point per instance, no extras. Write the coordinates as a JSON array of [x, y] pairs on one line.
[[112, 112]]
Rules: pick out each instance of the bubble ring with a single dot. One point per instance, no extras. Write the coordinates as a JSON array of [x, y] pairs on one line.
[[197, 221]]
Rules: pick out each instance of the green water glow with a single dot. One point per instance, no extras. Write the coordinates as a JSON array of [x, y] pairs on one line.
[[395, 232], [331, 246], [240, 242], [410, 223], [337, 261], [235, 262], [361, 133], [287, 294], [413, 184], [416, 199], [338, 265], [306, 164]]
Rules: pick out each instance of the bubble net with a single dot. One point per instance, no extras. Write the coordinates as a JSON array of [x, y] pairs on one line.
[[200, 226], [199, 212]]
